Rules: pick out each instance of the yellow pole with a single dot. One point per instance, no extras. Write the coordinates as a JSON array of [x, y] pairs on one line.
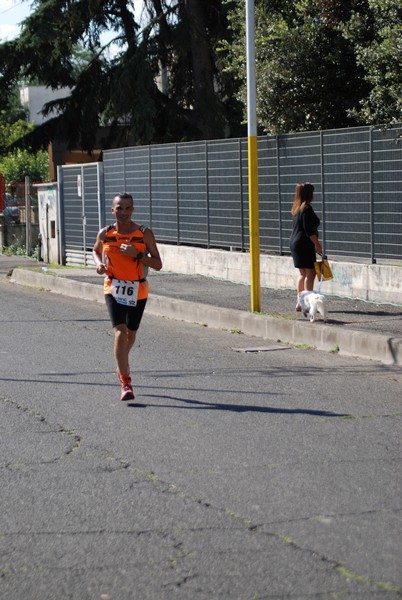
[[254, 227], [255, 288]]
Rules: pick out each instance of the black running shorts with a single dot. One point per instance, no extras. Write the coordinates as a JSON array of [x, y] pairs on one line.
[[121, 314]]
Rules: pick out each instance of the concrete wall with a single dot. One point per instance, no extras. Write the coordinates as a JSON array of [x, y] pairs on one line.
[[377, 283]]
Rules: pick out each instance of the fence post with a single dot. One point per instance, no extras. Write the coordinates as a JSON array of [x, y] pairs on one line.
[[150, 185], [124, 170], [207, 193], [61, 217], [241, 196], [322, 187], [27, 193], [278, 176], [2, 232], [177, 197], [2, 207], [100, 195], [84, 217], [371, 193]]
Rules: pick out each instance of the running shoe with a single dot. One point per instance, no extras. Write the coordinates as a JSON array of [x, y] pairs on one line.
[[127, 392]]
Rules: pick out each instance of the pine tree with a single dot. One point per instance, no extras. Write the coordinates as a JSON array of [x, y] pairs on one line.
[[120, 89]]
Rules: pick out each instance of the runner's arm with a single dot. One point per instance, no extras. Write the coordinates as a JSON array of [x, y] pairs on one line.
[[151, 257], [97, 253]]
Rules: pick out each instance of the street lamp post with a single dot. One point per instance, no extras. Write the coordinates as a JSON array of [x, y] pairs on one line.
[[252, 162]]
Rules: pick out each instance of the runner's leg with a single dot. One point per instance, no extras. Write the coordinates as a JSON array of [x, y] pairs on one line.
[[124, 339]]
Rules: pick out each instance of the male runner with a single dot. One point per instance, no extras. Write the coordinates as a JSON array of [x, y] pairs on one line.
[[129, 249]]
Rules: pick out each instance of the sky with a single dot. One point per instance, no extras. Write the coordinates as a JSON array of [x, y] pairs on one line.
[[12, 12]]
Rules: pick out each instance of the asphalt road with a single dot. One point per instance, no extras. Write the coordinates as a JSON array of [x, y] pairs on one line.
[[234, 475]]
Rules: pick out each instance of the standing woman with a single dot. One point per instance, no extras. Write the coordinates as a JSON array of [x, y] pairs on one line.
[[304, 242]]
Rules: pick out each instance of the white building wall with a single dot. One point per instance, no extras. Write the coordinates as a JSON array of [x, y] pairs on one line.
[[34, 97]]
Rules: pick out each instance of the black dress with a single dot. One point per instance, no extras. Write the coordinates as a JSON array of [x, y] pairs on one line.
[[305, 223]]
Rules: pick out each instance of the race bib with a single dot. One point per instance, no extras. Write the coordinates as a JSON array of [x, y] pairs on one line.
[[125, 292]]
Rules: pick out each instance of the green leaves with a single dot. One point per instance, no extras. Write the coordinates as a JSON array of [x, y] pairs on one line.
[[322, 63], [120, 89], [18, 164]]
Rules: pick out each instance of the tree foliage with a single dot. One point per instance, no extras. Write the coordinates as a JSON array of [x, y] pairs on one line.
[[321, 63], [10, 132], [21, 163], [16, 164], [377, 37], [119, 89]]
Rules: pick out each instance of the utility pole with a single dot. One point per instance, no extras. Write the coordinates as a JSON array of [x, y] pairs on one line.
[[254, 227]]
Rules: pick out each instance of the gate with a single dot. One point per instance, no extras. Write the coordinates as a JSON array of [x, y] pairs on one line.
[[81, 210]]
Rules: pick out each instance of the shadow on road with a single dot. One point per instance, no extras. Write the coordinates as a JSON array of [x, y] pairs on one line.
[[237, 408]]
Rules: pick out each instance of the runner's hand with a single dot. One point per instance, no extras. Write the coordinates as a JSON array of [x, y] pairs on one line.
[[127, 249], [101, 269]]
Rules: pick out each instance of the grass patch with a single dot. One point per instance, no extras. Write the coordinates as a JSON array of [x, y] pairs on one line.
[[304, 347], [389, 587], [66, 267], [275, 316], [286, 539], [15, 250], [37, 288]]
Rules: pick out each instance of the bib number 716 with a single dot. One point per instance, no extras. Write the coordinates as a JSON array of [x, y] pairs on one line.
[[125, 292]]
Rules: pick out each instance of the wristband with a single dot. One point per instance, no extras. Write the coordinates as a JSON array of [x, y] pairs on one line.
[[139, 256]]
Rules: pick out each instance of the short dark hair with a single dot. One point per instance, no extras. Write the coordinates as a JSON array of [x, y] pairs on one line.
[[124, 196]]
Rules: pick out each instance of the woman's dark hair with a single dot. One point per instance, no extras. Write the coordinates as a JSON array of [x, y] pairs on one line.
[[303, 196]]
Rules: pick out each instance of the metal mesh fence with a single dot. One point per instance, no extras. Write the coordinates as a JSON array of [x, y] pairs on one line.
[[19, 208], [196, 193]]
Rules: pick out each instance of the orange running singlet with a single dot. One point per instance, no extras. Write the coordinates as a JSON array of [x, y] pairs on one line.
[[120, 266]]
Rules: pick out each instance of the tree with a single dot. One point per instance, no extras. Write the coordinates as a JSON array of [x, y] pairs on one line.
[[16, 164], [120, 89], [321, 63], [10, 132], [12, 109], [21, 163], [380, 55]]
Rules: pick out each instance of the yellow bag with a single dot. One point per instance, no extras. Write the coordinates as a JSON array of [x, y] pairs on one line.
[[323, 270]]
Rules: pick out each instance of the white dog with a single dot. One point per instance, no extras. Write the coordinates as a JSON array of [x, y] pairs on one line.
[[311, 303]]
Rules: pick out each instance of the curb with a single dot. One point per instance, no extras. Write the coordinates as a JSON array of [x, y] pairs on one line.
[[370, 346]]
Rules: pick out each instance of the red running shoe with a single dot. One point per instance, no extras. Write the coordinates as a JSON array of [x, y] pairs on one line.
[[127, 392], [126, 387]]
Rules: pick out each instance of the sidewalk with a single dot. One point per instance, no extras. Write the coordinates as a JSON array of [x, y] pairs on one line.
[[355, 327]]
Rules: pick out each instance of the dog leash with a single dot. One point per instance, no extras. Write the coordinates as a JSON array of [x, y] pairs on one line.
[[323, 257]]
